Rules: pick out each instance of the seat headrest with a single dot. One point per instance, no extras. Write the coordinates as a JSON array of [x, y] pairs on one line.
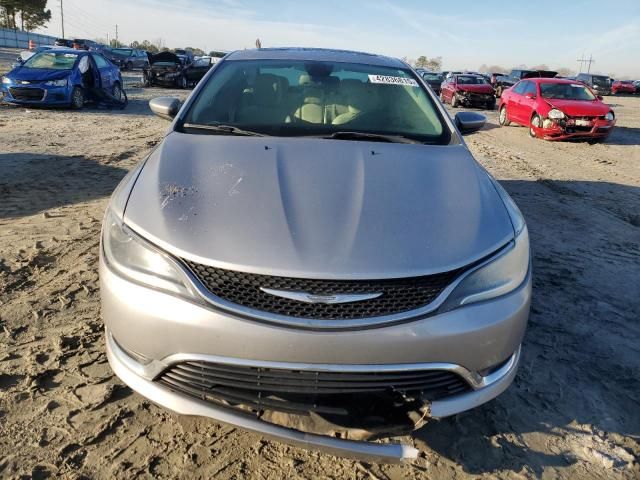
[[269, 89]]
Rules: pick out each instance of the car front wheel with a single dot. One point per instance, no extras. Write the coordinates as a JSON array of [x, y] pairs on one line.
[[454, 101], [502, 117], [536, 122], [77, 98], [183, 82]]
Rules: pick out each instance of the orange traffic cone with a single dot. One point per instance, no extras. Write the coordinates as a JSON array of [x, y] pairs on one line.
[[32, 44]]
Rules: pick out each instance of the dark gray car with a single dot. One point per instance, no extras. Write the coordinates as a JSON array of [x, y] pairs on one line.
[[313, 253], [128, 58]]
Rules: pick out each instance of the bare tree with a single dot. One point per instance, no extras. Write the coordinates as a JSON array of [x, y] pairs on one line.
[[433, 64], [542, 66]]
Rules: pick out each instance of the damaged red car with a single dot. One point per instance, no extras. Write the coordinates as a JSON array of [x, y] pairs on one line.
[[623, 86], [556, 109], [468, 90]]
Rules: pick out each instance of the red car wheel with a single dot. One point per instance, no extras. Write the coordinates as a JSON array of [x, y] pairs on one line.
[[503, 120], [536, 122]]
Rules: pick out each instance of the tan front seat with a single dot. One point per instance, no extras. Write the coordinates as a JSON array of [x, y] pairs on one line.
[[312, 109], [267, 102]]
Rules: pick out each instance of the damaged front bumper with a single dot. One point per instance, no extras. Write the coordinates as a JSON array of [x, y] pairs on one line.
[[142, 378], [162, 77], [475, 99], [570, 128]]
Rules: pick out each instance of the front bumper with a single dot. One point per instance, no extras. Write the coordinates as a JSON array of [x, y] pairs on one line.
[[164, 79], [167, 331], [49, 95], [561, 131], [133, 374], [475, 99]]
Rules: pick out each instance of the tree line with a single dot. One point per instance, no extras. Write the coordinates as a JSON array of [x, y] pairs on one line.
[[24, 14]]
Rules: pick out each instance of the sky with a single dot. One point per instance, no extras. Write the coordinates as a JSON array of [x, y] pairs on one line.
[[465, 33]]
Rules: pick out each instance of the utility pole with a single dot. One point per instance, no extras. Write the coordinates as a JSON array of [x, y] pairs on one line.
[[62, 18], [116, 35], [588, 61]]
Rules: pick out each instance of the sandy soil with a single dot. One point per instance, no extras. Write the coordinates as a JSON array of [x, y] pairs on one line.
[[573, 412]]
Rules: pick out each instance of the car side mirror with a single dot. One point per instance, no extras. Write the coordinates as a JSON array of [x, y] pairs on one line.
[[469, 122], [600, 97], [165, 107]]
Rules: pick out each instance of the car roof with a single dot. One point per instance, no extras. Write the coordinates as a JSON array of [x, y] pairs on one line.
[[548, 80], [66, 49], [318, 54]]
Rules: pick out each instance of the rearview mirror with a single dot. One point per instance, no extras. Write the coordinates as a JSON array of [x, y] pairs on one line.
[[469, 122], [165, 107]]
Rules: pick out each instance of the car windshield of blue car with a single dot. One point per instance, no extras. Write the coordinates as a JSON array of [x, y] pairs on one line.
[[318, 98], [52, 60], [566, 91], [470, 80]]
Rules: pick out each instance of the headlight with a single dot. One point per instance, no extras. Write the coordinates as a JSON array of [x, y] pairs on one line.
[[609, 117], [504, 273], [498, 277], [555, 114], [57, 83], [6, 80], [135, 259]]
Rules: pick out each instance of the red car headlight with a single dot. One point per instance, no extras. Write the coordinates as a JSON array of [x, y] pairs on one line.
[[555, 114]]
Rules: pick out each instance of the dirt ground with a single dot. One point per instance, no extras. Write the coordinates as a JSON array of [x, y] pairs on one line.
[[573, 411]]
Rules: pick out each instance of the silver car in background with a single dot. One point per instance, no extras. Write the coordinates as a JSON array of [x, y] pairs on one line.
[[312, 253]]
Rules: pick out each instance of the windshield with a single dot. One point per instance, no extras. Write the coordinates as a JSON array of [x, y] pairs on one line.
[[298, 98], [52, 60], [470, 80], [600, 80], [432, 77], [566, 91], [124, 52]]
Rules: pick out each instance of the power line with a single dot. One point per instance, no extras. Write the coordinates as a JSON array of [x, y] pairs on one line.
[[86, 21], [582, 60]]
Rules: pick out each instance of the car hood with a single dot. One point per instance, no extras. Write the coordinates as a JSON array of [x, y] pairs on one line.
[[579, 108], [37, 74], [164, 57], [484, 88], [317, 208]]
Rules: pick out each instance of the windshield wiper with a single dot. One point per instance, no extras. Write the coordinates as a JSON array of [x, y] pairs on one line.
[[371, 137], [224, 129]]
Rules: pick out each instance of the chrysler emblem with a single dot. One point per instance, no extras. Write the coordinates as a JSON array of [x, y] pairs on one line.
[[324, 299]]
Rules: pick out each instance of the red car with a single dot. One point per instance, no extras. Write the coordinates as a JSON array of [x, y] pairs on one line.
[[623, 86], [556, 109], [468, 90]]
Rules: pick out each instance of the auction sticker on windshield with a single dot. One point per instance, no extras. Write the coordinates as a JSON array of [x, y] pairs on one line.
[[391, 80]]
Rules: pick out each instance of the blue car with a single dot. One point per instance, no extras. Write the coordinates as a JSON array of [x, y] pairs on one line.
[[62, 77]]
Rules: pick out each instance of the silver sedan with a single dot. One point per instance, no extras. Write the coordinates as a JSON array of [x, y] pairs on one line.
[[313, 253]]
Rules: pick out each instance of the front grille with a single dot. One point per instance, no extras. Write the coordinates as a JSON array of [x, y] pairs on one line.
[[26, 93], [300, 391], [480, 97], [398, 295]]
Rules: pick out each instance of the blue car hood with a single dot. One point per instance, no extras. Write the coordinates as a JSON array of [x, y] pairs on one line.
[[37, 74]]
